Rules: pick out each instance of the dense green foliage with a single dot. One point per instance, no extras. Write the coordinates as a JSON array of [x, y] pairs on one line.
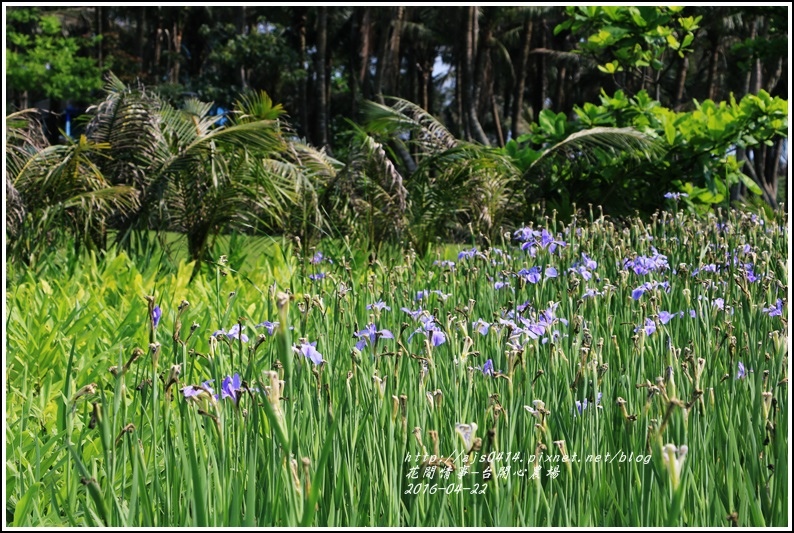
[[202, 149], [697, 151], [663, 340], [41, 61]]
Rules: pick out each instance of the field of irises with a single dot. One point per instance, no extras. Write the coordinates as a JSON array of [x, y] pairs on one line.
[[587, 374]]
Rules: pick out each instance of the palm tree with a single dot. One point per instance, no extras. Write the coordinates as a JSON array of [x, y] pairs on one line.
[[197, 176], [57, 190], [459, 189]]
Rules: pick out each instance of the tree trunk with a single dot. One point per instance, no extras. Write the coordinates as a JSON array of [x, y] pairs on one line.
[[497, 121], [392, 79], [541, 85], [322, 104], [714, 59], [352, 77], [482, 44], [470, 52], [680, 82], [383, 49], [364, 52], [178, 29], [359, 35], [559, 96], [462, 123], [300, 27], [140, 21], [521, 76], [99, 16], [158, 44], [242, 78]]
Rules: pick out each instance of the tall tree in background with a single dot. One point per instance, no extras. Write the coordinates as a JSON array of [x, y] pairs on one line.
[[321, 137]]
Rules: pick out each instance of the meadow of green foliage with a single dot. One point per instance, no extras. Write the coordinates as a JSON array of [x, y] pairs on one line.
[[337, 387]]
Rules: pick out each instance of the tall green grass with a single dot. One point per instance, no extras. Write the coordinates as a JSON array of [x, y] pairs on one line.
[[331, 448]]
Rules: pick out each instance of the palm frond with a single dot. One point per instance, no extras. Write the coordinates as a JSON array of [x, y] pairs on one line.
[[255, 106], [584, 144], [371, 159], [406, 117]]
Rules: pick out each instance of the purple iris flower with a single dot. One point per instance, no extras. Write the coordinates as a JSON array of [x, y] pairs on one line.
[[742, 373], [421, 295], [589, 263], [380, 305], [649, 327], [501, 285], [191, 391], [582, 271], [665, 316], [590, 293], [533, 330], [777, 310], [414, 314], [642, 265], [230, 386], [581, 406], [236, 332], [481, 326], [554, 337], [467, 254], [530, 247], [318, 258], [431, 330], [526, 234], [649, 286], [309, 350], [441, 295], [675, 195], [233, 333], [156, 314], [531, 275], [638, 292], [437, 337], [548, 242], [551, 272], [524, 306], [371, 334], [269, 326], [487, 369], [317, 277], [719, 303]]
